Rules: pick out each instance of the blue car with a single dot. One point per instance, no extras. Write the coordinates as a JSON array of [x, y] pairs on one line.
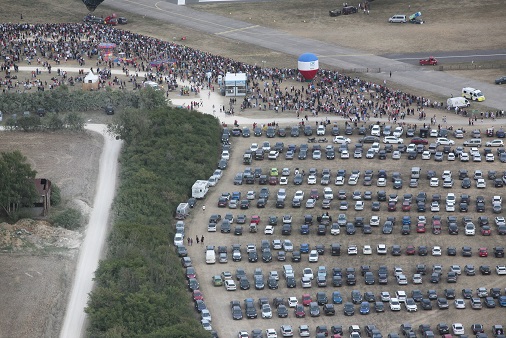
[[406, 220], [336, 297], [365, 308], [304, 248], [502, 301], [304, 229]]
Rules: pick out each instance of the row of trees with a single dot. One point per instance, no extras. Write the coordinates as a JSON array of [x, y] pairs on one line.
[[52, 122], [140, 285]]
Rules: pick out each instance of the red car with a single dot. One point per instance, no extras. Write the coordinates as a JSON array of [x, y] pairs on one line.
[[419, 140], [314, 194], [483, 252], [406, 206], [420, 228], [273, 180], [299, 311], [430, 61], [198, 295], [306, 299], [486, 231], [410, 250], [392, 206], [255, 219]]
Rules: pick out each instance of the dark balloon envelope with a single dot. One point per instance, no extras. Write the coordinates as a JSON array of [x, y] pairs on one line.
[[92, 4]]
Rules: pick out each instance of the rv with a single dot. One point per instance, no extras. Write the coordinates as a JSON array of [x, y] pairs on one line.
[[199, 189]]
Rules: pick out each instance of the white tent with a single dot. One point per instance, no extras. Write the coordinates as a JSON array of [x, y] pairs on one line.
[[90, 81]]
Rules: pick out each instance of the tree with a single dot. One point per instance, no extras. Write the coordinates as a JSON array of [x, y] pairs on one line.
[[16, 180]]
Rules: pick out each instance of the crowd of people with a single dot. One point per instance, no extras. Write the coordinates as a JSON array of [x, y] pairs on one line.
[[330, 93]]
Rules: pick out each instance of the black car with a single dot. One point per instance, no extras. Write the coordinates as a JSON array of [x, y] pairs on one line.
[[290, 282], [349, 309], [426, 304], [451, 251], [485, 270], [369, 139], [282, 311], [252, 256], [443, 328], [396, 250], [329, 309], [467, 251]]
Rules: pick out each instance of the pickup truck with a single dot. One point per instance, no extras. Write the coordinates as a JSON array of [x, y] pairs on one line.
[[431, 61]]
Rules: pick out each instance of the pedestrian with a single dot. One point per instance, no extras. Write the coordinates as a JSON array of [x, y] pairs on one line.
[[191, 241], [197, 238], [203, 208], [390, 74], [202, 240], [188, 240]]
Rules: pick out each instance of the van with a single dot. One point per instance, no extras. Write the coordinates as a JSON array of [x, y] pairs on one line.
[[457, 102], [473, 94], [432, 148], [335, 249], [398, 18], [474, 142], [288, 271], [183, 210], [210, 255], [415, 172], [152, 84]]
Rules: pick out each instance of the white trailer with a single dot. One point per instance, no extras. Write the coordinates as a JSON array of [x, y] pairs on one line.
[[200, 189]]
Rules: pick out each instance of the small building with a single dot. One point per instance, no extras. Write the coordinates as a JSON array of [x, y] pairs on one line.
[[43, 187], [235, 84]]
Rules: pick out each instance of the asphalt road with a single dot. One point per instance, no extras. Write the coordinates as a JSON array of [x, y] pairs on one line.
[[451, 57], [425, 79]]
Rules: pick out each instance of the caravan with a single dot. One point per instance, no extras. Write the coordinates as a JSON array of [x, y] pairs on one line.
[[200, 189]]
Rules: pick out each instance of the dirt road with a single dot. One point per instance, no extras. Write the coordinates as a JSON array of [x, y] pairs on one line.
[[91, 250]]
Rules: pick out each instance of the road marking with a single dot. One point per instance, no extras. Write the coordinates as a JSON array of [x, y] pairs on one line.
[[236, 30], [340, 55], [455, 56]]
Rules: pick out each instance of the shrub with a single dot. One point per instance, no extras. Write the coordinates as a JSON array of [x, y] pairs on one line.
[[69, 219]]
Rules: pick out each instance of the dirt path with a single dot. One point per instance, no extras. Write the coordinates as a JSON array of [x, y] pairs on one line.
[[93, 244]]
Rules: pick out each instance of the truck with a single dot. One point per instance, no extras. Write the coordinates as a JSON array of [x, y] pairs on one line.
[[183, 210], [457, 102], [200, 189], [430, 61]]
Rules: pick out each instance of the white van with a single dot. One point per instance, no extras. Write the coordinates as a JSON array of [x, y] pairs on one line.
[[415, 172], [474, 142], [457, 102], [210, 256], [473, 94], [376, 130], [398, 18], [152, 84]]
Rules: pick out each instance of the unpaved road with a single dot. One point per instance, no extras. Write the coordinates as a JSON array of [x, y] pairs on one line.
[[91, 250]]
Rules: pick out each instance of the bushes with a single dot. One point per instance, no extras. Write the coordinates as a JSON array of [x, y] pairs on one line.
[[55, 195], [69, 219], [140, 286]]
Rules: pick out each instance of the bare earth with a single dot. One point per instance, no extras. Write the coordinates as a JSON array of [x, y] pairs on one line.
[[38, 260]]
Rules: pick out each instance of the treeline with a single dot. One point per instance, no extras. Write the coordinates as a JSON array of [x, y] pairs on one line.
[[140, 285]]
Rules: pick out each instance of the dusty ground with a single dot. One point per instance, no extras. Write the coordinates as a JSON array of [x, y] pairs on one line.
[[388, 321], [38, 260]]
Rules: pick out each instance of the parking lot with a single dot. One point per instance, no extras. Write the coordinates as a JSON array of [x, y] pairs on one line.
[[218, 299]]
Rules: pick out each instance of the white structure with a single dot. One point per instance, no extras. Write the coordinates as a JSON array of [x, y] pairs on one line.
[[235, 84], [200, 188]]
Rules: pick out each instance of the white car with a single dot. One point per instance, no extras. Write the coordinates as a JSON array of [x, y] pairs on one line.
[[230, 285], [434, 182], [271, 333], [499, 220], [375, 220], [345, 154], [274, 274], [308, 272], [402, 280], [313, 256], [266, 146], [370, 154], [433, 133], [385, 296], [434, 207], [398, 271], [327, 193], [396, 155], [444, 141], [225, 155], [299, 194], [436, 251], [286, 331], [292, 302], [376, 147], [339, 180], [269, 230], [178, 239], [458, 329], [470, 229], [287, 245], [426, 155], [367, 250], [304, 331], [206, 325], [381, 249], [283, 180], [273, 155], [417, 278], [375, 130], [311, 179], [382, 182], [480, 183], [495, 143], [398, 131], [464, 157], [395, 305], [460, 303], [205, 314], [353, 180], [456, 268], [451, 157], [450, 207], [305, 282], [321, 130], [476, 158], [446, 174], [359, 205], [392, 140], [352, 250], [489, 157], [253, 147], [401, 295], [500, 269], [341, 140], [410, 305]]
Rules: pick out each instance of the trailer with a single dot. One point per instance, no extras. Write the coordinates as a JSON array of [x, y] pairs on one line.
[[200, 189], [183, 210]]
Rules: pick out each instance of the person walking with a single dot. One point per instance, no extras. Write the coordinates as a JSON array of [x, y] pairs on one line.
[[203, 208], [197, 238], [202, 240]]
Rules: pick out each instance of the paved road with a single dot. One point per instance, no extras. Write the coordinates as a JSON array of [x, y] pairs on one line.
[[425, 79], [450, 57], [91, 249]]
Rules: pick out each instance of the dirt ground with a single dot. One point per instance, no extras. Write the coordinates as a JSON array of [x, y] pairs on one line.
[[38, 260], [386, 322]]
